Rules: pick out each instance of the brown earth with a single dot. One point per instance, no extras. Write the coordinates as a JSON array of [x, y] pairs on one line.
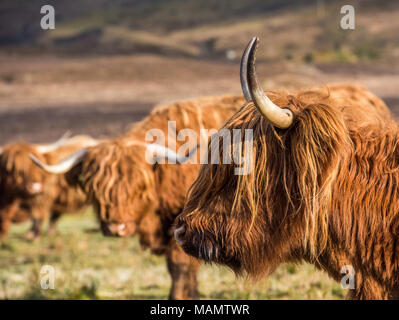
[[43, 96]]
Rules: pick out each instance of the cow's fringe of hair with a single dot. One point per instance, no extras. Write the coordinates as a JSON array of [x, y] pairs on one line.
[[107, 174], [13, 160], [294, 169]]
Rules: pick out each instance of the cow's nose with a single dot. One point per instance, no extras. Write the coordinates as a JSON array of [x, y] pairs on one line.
[[179, 235], [35, 187], [116, 229]]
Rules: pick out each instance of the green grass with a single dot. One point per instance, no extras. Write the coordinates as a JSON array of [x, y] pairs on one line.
[[90, 266]]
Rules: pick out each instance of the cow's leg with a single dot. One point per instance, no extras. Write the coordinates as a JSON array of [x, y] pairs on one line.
[[35, 231], [5, 223], [6, 214], [183, 270], [39, 215], [55, 215]]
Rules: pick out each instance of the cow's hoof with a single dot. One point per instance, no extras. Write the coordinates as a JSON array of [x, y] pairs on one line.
[[52, 232], [32, 236]]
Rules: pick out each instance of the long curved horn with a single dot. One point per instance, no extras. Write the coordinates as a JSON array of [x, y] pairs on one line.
[[279, 117], [244, 72], [53, 146], [63, 166], [163, 152]]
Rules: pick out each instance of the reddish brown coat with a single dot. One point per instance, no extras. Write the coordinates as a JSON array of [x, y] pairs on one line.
[[325, 190]]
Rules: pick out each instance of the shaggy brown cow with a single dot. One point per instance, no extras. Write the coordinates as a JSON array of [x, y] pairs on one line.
[[131, 195], [324, 189], [29, 192]]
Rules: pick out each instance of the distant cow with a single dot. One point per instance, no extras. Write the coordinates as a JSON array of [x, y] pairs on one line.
[[132, 195], [323, 189], [27, 192]]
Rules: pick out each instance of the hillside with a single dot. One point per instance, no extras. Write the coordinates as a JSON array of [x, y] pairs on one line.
[[213, 29]]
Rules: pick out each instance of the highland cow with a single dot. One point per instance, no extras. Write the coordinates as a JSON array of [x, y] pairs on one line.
[[324, 189], [27, 192], [131, 195]]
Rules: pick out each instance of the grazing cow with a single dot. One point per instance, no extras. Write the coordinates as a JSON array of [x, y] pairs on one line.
[[323, 189], [131, 195], [29, 192]]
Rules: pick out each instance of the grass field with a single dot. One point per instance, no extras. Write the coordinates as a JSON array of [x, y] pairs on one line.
[[90, 266]]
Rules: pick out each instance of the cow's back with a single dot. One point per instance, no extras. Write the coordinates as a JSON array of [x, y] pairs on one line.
[[360, 106]]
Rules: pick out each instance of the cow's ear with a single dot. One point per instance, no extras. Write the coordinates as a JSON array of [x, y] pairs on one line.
[[319, 139], [74, 176], [319, 142]]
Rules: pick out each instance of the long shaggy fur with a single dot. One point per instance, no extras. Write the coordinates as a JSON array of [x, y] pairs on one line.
[[324, 191]]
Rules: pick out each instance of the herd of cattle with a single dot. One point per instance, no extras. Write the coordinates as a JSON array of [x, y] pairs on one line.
[[323, 189]]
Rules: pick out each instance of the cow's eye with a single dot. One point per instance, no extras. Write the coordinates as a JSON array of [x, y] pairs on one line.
[[24, 206]]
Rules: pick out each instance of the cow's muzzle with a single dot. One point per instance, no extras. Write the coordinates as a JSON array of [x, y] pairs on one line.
[[179, 235], [197, 245], [118, 229]]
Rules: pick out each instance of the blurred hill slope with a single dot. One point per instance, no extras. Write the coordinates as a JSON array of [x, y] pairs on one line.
[[306, 29]]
